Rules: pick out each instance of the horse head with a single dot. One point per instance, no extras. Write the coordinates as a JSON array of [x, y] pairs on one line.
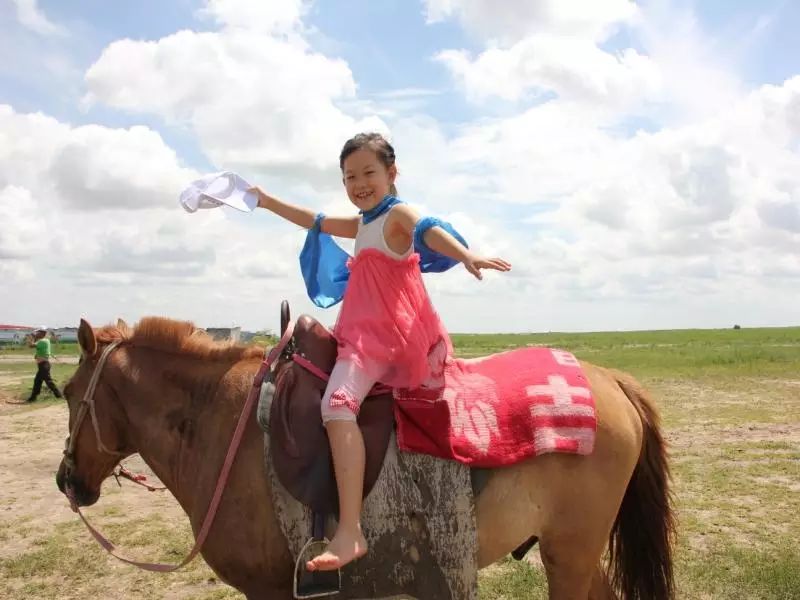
[[97, 422]]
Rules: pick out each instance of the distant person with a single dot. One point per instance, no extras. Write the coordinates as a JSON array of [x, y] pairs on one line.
[[42, 357]]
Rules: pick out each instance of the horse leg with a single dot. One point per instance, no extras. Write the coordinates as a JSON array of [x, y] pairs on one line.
[[571, 559], [578, 519], [601, 588], [579, 515]]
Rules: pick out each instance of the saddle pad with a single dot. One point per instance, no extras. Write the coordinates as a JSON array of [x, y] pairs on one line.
[[499, 409], [419, 521]]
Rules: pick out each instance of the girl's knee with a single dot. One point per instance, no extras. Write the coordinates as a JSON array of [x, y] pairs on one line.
[[348, 386]]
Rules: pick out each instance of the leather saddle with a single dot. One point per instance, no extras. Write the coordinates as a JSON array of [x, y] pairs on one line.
[[298, 441]]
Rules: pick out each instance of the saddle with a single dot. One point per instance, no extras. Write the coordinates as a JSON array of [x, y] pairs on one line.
[[298, 441]]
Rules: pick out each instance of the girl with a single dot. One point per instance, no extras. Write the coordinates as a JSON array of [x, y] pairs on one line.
[[386, 326]]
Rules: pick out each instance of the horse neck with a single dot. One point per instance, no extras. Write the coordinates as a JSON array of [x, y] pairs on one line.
[[182, 413]]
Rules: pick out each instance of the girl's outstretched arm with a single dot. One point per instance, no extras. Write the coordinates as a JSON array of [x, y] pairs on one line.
[[345, 227], [438, 240], [442, 242]]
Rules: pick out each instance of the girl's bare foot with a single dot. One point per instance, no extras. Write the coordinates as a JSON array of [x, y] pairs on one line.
[[346, 546]]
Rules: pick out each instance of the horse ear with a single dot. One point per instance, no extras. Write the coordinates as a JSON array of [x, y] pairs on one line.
[[122, 325], [86, 339]]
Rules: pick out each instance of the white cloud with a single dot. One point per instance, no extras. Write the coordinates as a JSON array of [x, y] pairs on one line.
[[93, 212], [698, 70], [100, 167], [574, 68], [513, 20], [29, 15], [268, 17], [89, 167], [704, 205], [703, 210], [546, 46], [257, 98], [22, 235]]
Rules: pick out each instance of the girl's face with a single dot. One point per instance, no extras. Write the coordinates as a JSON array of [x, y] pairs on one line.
[[366, 179]]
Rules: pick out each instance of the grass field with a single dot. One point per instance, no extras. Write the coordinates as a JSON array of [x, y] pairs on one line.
[[730, 400]]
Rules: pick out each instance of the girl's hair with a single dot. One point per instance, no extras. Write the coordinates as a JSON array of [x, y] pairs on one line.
[[371, 141]]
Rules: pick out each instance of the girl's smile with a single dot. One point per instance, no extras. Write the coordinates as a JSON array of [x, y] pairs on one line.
[[366, 178], [366, 200]]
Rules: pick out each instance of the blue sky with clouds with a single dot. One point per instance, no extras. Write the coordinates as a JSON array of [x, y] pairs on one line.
[[637, 162]]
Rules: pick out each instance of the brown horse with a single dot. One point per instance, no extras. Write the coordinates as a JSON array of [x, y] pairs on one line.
[[171, 394]]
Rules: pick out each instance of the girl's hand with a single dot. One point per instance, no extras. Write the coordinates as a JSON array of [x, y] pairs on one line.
[[474, 263], [263, 199]]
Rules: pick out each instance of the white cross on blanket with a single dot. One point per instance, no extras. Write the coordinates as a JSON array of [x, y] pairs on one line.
[[562, 394]]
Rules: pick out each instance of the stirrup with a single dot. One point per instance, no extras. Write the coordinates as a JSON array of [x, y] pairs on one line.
[[315, 584]]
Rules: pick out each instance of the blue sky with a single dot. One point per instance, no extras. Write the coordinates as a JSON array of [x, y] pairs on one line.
[[636, 162]]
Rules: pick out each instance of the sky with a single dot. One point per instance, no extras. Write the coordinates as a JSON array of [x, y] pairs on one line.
[[637, 163]]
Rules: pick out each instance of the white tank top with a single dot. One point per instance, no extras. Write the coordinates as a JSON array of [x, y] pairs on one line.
[[371, 236]]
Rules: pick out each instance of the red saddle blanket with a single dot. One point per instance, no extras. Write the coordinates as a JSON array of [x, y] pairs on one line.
[[499, 409]]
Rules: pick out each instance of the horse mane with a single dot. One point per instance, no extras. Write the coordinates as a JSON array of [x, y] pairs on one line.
[[177, 337]]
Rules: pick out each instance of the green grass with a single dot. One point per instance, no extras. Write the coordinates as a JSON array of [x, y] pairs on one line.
[[671, 353], [512, 579], [23, 373], [742, 573], [678, 353], [52, 556], [67, 558], [57, 348]]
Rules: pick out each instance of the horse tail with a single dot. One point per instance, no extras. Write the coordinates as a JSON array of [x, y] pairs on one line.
[[641, 540]]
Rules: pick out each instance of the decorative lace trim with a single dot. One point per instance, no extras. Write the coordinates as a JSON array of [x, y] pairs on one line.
[[342, 398]]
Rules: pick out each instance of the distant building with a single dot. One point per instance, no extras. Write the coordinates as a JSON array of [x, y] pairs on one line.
[[14, 334], [65, 334], [20, 334]]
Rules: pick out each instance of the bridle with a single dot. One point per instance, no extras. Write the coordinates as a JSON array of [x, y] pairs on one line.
[[86, 406], [281, 349]]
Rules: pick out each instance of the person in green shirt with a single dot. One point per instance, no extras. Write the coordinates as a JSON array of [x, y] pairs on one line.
[[42, 357]]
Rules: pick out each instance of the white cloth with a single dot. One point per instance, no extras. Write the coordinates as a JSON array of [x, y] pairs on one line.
[[216, 189], [371, 236]]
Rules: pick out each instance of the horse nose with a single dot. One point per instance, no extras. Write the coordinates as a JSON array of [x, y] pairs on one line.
[[60, 478]]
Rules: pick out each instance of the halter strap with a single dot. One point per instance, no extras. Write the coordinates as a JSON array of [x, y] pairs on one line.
[[87, 403]]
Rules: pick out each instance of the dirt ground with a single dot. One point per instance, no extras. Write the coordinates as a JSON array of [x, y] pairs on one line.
[[32, 509]]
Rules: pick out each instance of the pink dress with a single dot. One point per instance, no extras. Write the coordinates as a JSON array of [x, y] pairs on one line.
[[387, 324]]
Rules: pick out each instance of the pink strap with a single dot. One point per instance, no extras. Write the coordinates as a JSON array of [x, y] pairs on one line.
[[377, 390], [309, 366], [223, 476]]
